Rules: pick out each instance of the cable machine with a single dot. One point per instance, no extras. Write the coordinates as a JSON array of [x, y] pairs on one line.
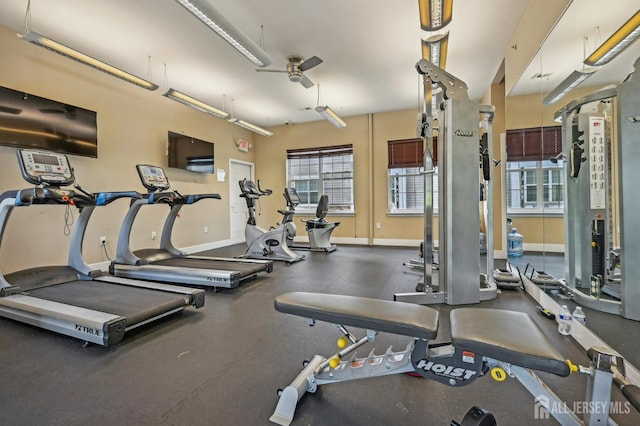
[[602, 233], [460, 281]]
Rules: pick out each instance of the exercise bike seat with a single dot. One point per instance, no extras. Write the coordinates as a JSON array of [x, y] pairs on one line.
[[386, 316], [507, 336], [321, 211]]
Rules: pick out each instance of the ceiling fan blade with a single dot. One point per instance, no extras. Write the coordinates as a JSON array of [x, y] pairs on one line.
[[310, 63], [263, 70], [306, 82]]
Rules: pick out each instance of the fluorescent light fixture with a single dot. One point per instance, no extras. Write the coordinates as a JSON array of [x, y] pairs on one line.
[[615, 44], [330, 115], [435, 14], [434, 49], [194, 103], [225, 29], [568, 84], [61, 49], [252, 127]]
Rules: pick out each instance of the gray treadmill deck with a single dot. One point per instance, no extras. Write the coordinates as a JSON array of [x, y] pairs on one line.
[[244, 269], [135, 304]]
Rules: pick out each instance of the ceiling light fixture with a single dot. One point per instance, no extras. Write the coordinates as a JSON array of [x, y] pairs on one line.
[[434, 49], [330, 115], [61, 49], [574, 79], [194, 103], [435, 14], [225, 29], [615, 44], [256, 129]]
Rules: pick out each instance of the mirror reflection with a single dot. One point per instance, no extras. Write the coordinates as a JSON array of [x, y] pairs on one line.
[[568, 148]]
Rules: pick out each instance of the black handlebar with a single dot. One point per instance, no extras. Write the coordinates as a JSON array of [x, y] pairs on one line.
[[249, 189], [264, 191]]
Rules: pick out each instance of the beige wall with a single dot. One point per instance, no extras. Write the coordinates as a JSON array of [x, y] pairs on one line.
[[132, 128], [369, 135]]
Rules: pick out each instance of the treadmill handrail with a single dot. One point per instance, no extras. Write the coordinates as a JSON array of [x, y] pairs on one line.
[[104, 198], [194, 198], [39, 195]]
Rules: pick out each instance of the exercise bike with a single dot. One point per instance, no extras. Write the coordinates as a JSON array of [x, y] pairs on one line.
[[318, 229], [263, 244]]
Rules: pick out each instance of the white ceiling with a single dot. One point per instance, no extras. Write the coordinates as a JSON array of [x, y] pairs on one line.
[[584, 26], [369, 48]]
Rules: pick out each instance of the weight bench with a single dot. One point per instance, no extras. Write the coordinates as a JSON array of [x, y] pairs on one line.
[[482, 341]]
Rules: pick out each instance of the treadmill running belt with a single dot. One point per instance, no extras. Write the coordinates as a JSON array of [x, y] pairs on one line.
[[245, 269], [135, 304]]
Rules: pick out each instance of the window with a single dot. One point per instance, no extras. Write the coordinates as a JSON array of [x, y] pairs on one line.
[[534, 182], [405, 180], [322, 171]]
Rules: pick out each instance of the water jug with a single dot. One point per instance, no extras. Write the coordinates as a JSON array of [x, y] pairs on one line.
[[514, 243]]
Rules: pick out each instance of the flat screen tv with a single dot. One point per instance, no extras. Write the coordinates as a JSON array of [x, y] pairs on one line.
[[29, 121], [190, 153]]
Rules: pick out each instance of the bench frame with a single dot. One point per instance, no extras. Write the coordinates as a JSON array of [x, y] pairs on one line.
[[452, 366]]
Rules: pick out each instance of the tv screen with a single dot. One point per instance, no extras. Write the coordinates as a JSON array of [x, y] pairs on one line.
[[190, 153], [29, 121]]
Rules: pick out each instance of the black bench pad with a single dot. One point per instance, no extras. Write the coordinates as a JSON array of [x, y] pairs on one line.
[[508, 336], [386, 316]]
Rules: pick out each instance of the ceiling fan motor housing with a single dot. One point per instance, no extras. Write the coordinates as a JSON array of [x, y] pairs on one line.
[[293, 70]]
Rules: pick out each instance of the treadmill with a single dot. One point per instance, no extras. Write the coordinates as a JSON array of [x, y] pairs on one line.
[[75, 299], [167, 263]]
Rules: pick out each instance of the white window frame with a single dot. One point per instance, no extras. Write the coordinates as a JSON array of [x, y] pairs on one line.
[[321, 179], [398, 207], [538, 206]]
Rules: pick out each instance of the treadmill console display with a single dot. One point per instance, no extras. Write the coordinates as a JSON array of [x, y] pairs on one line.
[[153, 177], [43, 167]]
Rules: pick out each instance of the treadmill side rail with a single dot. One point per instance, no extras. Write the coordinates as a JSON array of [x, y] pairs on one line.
[[84, 324], [174, 274]]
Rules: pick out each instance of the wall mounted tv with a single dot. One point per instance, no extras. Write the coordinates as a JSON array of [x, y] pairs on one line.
[[190, 153], [29, 121]]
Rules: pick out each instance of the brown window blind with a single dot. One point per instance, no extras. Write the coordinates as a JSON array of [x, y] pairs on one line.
[[325, 151], [534, 144], [405, 153]]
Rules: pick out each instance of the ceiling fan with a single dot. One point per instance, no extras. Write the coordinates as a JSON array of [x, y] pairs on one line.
[[296, 66]]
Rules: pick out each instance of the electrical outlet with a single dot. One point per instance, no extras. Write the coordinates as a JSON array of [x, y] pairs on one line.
[[153, 235], [103, 240], [378, 226], [206, 229]]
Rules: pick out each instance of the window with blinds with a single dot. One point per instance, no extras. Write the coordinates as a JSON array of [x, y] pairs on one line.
[[314, 172], [405, 182], [534, 170]]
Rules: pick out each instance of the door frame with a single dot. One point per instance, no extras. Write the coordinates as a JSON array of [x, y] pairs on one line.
[[231, 182]]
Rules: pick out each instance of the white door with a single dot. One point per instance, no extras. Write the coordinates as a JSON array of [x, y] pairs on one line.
[[238, 170]]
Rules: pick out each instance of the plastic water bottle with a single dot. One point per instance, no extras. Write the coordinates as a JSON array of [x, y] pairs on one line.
[[579, 315], [514, 244], [564, 321]]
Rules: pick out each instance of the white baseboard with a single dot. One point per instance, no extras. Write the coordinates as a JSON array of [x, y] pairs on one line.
[[355, 241], [209, 246], [102, 266], [396, 242]]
